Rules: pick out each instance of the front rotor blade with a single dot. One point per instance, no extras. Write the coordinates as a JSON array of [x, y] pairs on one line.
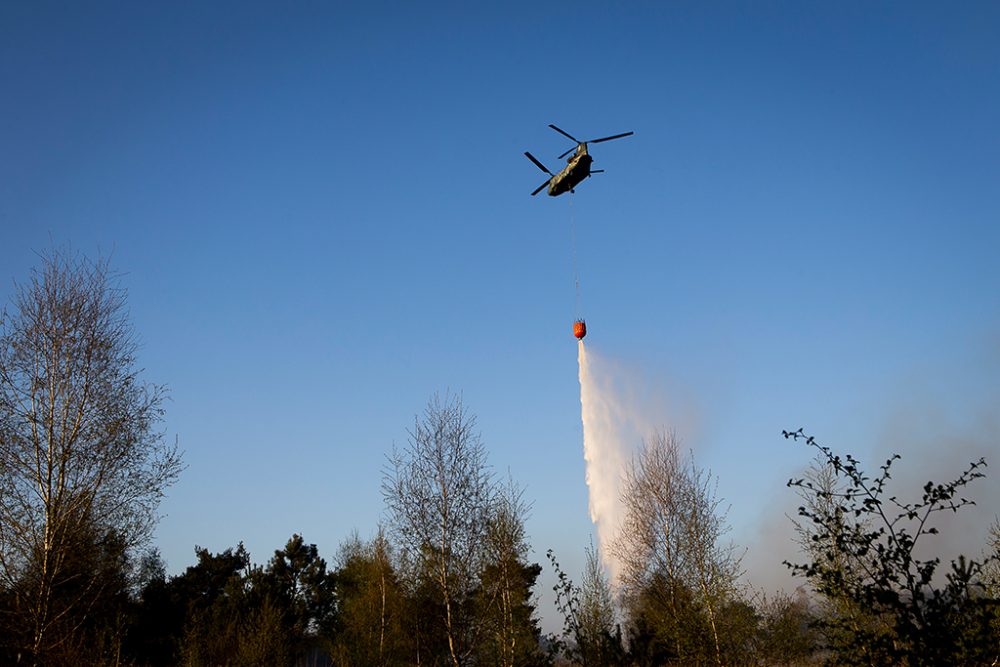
[[537, 163], [564, 133], [540, 188], [617, 136]]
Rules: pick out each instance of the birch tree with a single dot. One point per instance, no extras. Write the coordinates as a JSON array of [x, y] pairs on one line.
[[439, 491], [79, 451], [505, 600], [372, 607], [672, 550]]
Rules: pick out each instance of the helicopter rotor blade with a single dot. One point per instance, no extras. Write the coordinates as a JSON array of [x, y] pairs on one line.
[[617, 136], [537, 163], [564, 133], [597, 171], [541, 187], [568, 152]]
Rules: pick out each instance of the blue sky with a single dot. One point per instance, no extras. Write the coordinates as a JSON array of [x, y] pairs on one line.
[[321, 214]]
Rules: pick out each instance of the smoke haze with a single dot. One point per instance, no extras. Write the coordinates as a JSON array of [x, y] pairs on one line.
[[938, 421]]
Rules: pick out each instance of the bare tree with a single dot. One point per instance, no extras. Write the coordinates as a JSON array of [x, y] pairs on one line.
[[80, 456], [439, 492], [503, 589], [598, 625], [670, 543]]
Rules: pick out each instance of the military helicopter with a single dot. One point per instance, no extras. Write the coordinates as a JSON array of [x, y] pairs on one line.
[[577, 168]]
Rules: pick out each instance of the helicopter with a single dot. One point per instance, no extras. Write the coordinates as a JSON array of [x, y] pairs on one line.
[[577, 167]]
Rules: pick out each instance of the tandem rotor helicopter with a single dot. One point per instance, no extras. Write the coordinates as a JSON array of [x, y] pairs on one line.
[[577, 168]]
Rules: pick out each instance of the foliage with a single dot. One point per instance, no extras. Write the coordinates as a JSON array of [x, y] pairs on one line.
[[590, 635], [890, 608], [506, 582], [301, 590], [208, 606], [250, 615], [667, 625], [785, 633], [372, 606], [568, 604]]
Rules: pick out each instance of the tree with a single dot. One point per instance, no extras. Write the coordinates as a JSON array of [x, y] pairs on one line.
[[372, 605], [233, 612], [991, 561], [675, 567], [98, 573], [590, 637], [439, 492], [865, 555], [79, 450], [203, 608], [506, 581], [297, 582], [568, 603], [785, 633], [819, 489], [599, 631]]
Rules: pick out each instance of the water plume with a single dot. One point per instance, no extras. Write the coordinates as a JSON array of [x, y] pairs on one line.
[[612, 427]]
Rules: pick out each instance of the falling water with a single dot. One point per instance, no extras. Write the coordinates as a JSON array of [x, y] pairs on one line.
[[611, 429]]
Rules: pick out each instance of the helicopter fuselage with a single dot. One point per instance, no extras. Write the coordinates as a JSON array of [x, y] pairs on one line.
[[574, 172]]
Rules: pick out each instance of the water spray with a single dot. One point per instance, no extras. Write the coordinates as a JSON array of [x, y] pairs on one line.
[[611, 427]]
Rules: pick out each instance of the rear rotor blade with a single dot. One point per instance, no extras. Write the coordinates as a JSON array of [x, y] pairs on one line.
[[569, 151], [617, 136], [540, 188], [537, 163], [564, 133]]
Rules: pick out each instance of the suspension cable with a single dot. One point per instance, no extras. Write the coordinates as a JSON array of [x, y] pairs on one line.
[[572, 234]]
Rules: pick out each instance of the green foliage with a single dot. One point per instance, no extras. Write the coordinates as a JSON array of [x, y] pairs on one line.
[[88, 604], [887, 606], [784, 630], [244, 615], [223, 610], [668, 624], [568, 604], [212, 605], [158, 618], [514, 635], [372, 606], [297, 584]]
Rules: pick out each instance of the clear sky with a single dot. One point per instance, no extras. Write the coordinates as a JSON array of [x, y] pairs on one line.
[[322, 215]]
